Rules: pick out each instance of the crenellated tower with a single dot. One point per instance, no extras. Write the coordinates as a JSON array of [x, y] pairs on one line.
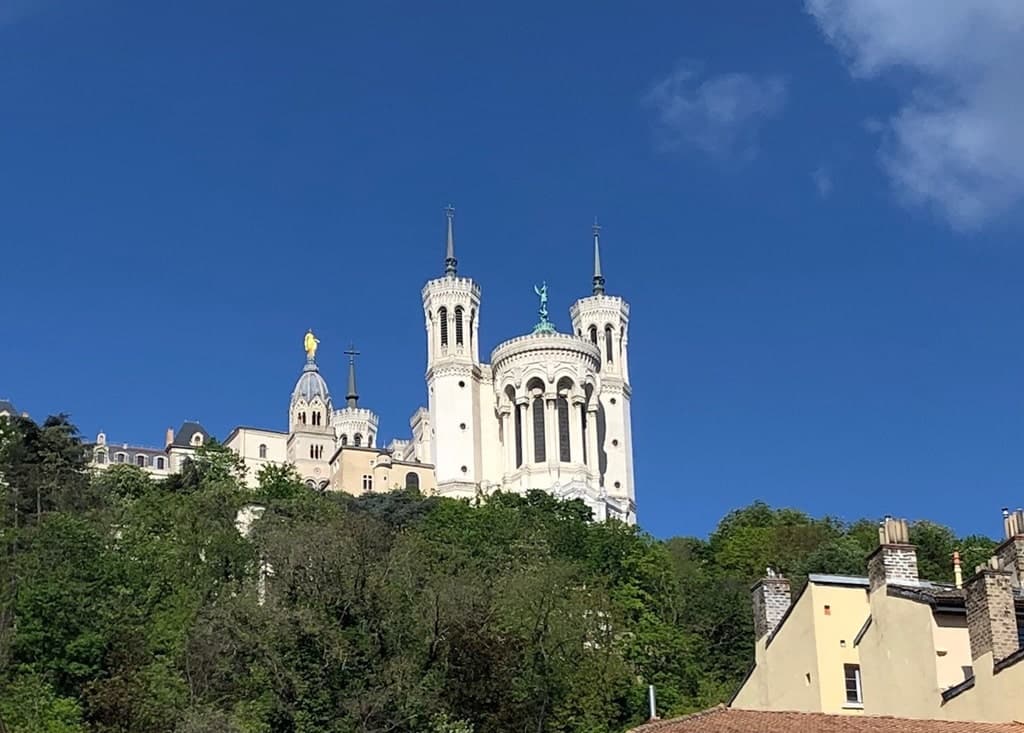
[[603, 320], [451, 307], [354, 425], [310, 432]]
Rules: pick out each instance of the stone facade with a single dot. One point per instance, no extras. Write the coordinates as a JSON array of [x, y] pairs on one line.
[[991, 620], [892, 564], [771, 599]]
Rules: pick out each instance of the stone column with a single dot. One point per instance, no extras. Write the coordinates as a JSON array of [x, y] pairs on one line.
[[551, 427], [508, 437], [593, 460], [575, 431], [527, 418]]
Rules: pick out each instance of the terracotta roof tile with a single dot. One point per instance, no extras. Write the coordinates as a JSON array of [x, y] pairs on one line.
[[731, 720]]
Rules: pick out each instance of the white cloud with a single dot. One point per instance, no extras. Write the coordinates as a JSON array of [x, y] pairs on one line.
[[720, 115], [822, 181], [957, 141]]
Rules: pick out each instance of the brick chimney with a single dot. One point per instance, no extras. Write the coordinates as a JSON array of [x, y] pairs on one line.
[[770, 601], [894, 562], [1010, 554], [991, 620], [170, 437]]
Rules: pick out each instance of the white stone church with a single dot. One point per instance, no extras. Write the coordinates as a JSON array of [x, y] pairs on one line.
[[548, 411]]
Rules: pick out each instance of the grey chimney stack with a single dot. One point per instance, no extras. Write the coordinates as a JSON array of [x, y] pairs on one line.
[[1010, 554], [771, 599], [991, 618], [894, 562]]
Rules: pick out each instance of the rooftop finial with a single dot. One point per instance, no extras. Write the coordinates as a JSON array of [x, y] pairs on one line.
[[598, 277], [352, 398], [310, 344], [449, 261]]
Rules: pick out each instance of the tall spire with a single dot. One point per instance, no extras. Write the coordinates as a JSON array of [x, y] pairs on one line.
[[352, 398], [449, 261], [598, 277]]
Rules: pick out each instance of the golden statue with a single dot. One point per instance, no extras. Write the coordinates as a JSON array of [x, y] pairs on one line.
[[310, 343]]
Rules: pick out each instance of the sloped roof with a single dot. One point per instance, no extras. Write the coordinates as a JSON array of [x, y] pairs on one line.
[[8, 406], [730, 720], [183, 438]]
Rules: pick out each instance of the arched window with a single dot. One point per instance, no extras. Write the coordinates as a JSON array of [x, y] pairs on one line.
[[412, 481], [357, 439], [583, 425], [140, 461], [344, 439], [442, 316], [310, 483], [593, 335], [324, 484], [197, 438], [472, 325], [458, 325], [539, 453], [160, 462], [263, 450], [608, 343], [369, 440], [121, 457], [101, 457]]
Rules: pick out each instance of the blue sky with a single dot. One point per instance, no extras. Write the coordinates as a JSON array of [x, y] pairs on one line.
[[814, 211]]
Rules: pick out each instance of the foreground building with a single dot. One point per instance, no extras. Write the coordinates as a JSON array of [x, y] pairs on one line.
[[547, 411], [891, 643]]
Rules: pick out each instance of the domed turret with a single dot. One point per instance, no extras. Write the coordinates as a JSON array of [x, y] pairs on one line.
[[310, 385]]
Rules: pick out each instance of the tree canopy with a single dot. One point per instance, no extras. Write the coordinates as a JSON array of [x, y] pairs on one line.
[[130, 604]]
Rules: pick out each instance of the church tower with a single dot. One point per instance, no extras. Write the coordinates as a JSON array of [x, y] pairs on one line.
[[604, 320], [310, 433], [354, 425], [451, 306]]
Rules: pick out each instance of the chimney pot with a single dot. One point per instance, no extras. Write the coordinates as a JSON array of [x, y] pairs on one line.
[[895, 559]]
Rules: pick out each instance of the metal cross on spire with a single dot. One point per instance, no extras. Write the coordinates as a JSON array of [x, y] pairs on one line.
[[450, 262], [352, 398]]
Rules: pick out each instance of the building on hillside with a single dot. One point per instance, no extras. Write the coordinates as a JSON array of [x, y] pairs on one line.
[[732, 720], [158, 462], [548, 410], [7, 409], [891, 643]]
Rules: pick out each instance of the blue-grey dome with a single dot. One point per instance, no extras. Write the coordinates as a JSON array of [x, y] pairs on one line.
[[311, 385]]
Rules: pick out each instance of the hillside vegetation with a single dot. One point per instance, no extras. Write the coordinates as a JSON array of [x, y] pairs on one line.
[[131, 605]]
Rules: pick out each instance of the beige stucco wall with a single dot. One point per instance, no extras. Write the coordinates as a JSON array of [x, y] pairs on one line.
[[351, 464], [785, 675], [246, 443], [908, 657], [952, 644], [835, 628], [995, 697]]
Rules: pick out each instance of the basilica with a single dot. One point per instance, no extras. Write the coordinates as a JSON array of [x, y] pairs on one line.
[[548, 411]]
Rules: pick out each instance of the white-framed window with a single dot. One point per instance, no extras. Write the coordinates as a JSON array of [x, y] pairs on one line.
[[851, 676], [367, 482], [160, 463], [140, 461], [197, 439], [121, 457], [101, 457]]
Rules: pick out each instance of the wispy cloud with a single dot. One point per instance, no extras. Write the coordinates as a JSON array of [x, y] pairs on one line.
[[956, 143], [822, 179], [719, 115]]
